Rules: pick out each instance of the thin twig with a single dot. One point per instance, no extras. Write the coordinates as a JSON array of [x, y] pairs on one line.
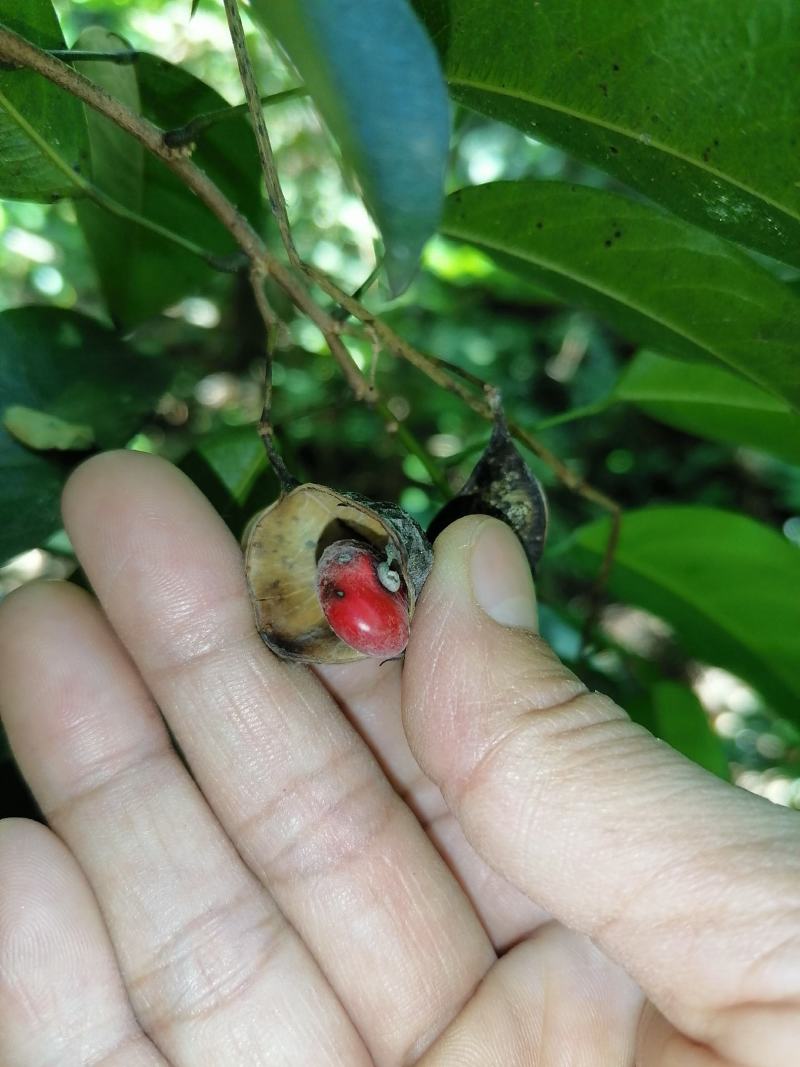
[[600, 582], [22, 53], [189, 133], [266, 430], [75, 55], [270, 171], [102, 199], [442, 374], [575, 414], [19, 52], [79, 55], [340, 313]]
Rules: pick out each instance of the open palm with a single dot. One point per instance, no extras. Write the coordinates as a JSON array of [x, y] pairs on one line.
[[265, 874]]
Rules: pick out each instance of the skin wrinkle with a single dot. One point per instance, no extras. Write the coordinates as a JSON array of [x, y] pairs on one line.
[[458, 792], [178, 978], [764, 958], [328, 836], [119, 1053], [92, 785]]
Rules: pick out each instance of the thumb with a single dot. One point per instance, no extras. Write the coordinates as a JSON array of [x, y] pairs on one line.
[[606, 827]]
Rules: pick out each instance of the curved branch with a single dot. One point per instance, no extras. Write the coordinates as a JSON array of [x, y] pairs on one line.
[[22, 53]]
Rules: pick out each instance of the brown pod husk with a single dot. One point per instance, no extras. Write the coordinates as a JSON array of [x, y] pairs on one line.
[[283, 544], [503, 486]]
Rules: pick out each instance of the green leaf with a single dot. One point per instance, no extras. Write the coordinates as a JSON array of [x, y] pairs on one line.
[[117, 167], [140, 272], [729, 587], [26, 174], [375, 78], [236, 456], [681, 721], [709, 402], [697, 104], [73, 368], [42, 431], [658, 279], [229, 467]]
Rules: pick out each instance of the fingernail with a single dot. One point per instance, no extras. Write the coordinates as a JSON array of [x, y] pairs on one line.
[[501, 577]]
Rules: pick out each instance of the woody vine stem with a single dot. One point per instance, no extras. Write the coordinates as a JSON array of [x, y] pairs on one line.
[[296, 278]]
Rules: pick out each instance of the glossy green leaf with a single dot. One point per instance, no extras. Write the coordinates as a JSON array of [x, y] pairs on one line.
[[25, 173], [229, 467], [237, 457], [69, 366], [697, 105], [729, 587], [709, 402], [658, 279], [681, 721], [116, 166], [42, 431], [375, 78], [140, 272]]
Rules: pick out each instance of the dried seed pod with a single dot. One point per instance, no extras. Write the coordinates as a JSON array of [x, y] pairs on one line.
[[284, 546], [503, 486]]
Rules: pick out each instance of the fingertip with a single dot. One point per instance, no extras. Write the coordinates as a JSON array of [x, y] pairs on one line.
[[115, 477], [15, 834], [36, 872], [100, 465], [23, 612]]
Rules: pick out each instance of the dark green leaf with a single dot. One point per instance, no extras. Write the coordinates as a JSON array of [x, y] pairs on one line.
[[710, 402], [229, 467], [117, 167], [375, 78], [42, 431], [681, 721], [726, 584], [659, 279], [69, 366], [141, 273], [695, 104], [25, 173], [237, 457]]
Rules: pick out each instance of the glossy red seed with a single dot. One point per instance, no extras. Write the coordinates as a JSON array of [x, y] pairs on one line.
[[359, 609]]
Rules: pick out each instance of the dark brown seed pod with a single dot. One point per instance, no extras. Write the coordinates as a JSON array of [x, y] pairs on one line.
[[283, 547], [503, 486]]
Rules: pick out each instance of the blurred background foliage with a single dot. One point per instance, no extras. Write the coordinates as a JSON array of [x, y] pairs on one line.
[[562, 371]]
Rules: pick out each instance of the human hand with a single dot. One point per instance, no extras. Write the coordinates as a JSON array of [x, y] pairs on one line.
[[312, 890]]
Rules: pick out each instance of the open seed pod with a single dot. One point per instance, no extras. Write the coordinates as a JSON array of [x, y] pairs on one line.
[[284, 546], [501, 485]]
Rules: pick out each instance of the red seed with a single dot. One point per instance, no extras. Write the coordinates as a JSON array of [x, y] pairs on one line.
[[359, 608]]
